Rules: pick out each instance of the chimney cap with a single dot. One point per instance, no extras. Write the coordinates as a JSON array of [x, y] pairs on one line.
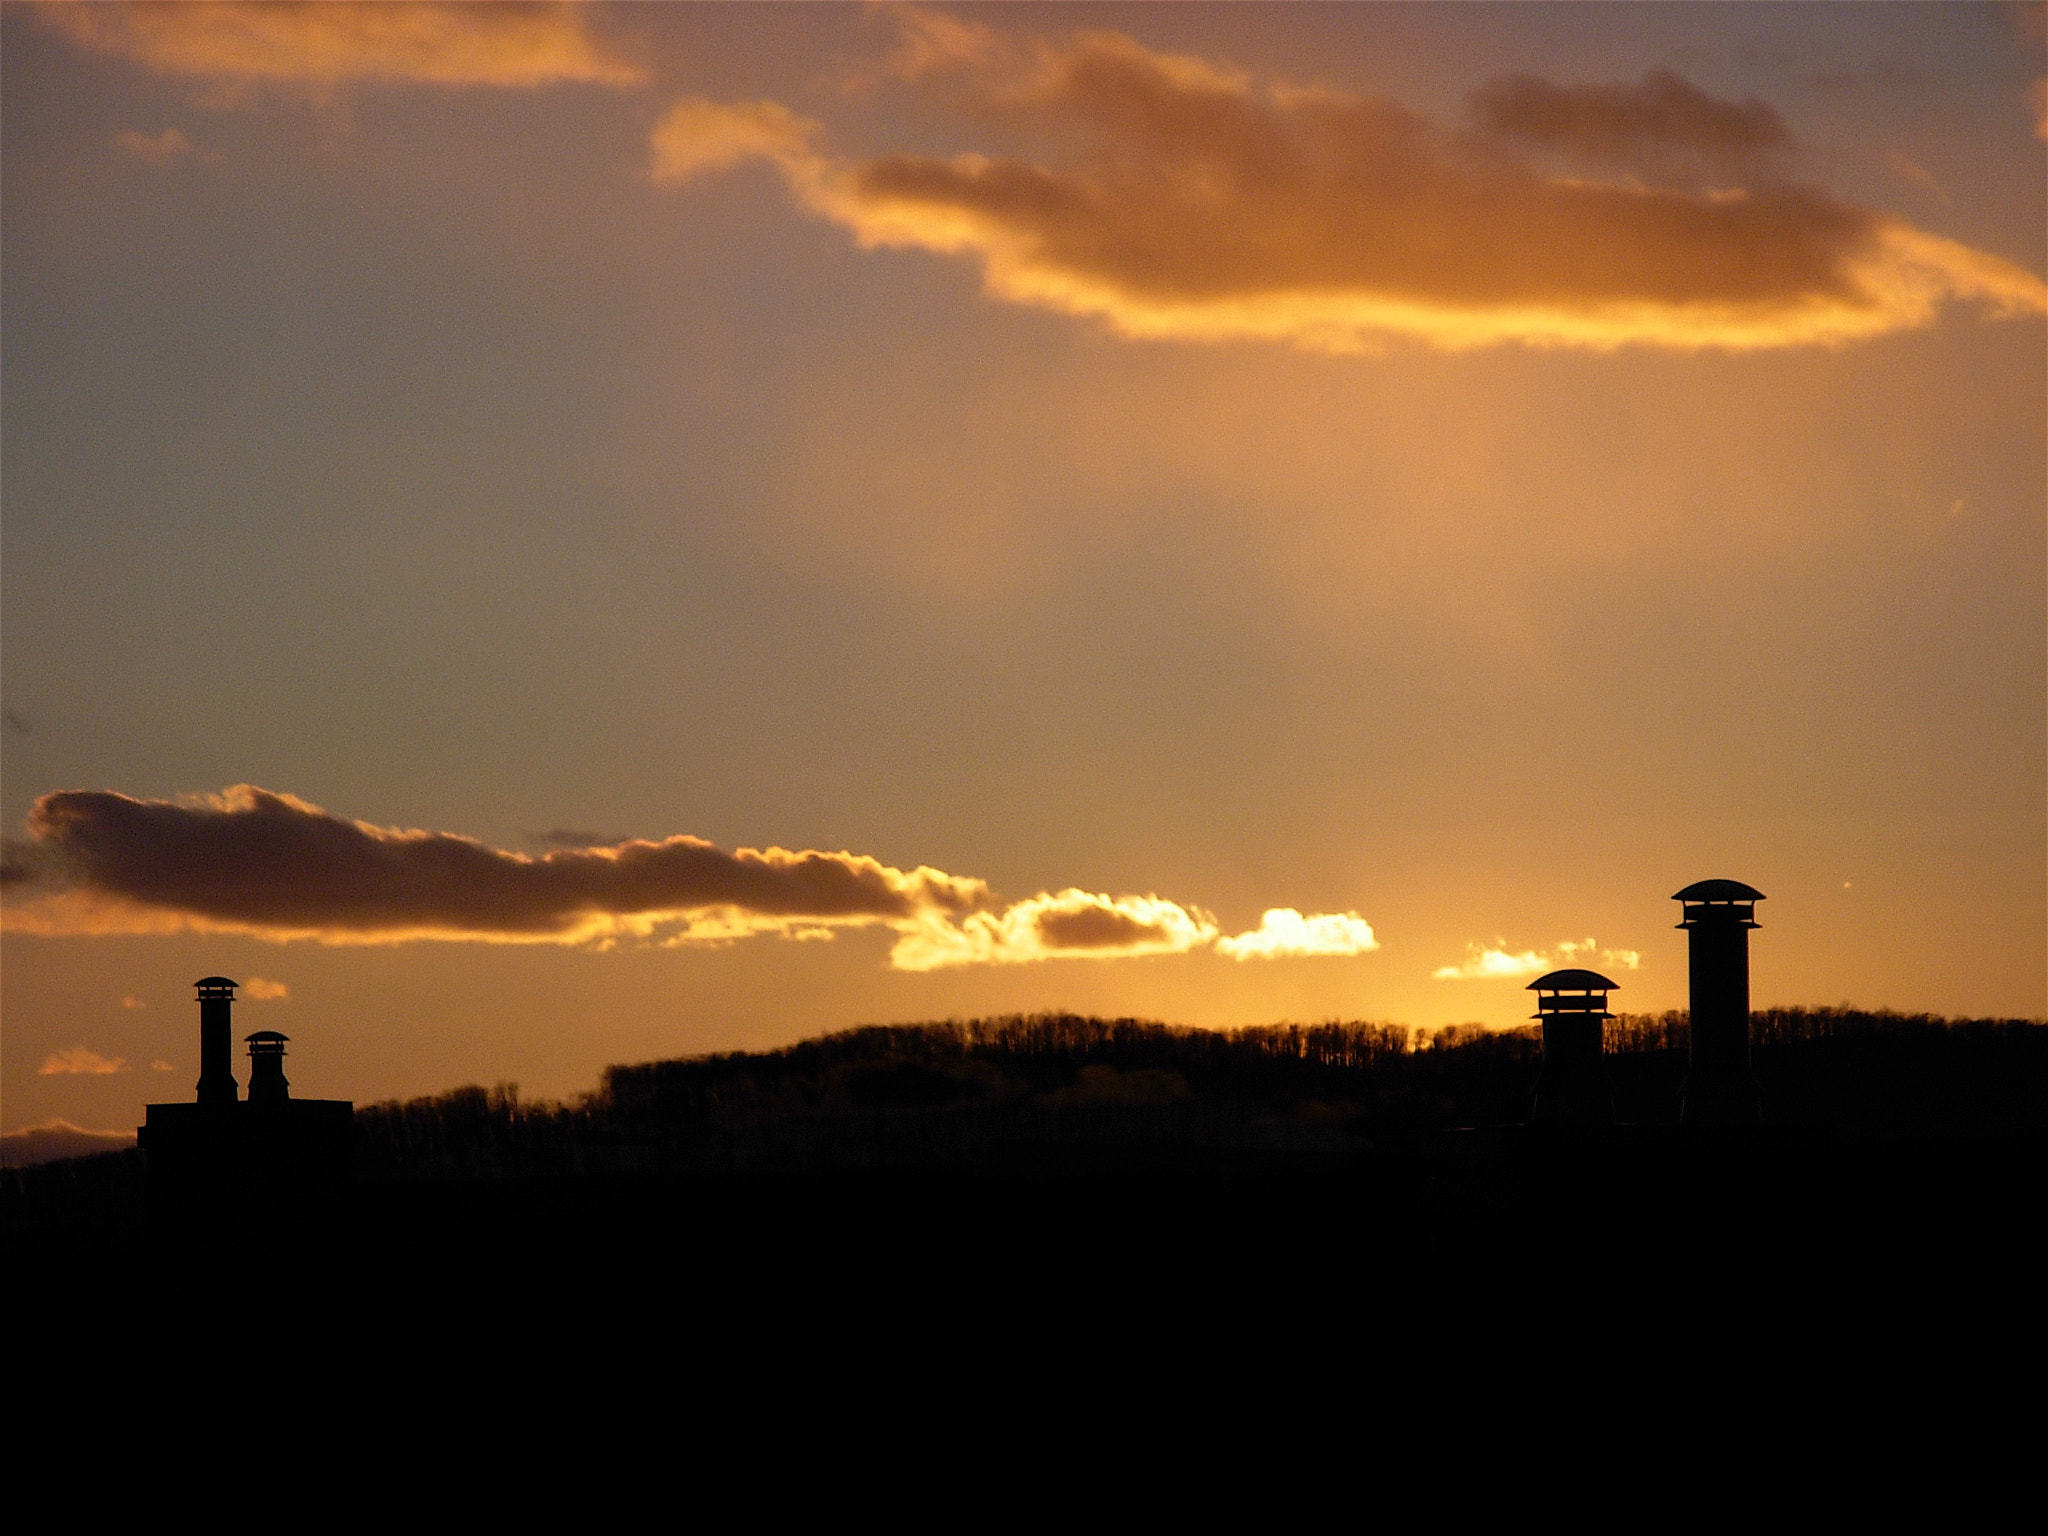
[[207, 984], [1719, 890], [1573, 981], [265, 1037]]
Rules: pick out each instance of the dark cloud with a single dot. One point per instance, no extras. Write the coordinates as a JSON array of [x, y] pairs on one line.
[[1618, 124], [268, 862], [1097, 928], [21, 863]]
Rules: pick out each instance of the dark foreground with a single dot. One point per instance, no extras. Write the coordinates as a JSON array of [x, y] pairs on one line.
[[1054, 1195]]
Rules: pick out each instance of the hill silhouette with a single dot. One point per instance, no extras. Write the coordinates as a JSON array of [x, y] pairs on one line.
[[876, 1195], [989, 1093], [1061, 1096]]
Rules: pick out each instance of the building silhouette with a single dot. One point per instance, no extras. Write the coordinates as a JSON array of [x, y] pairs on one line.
[[1572, 1087], [225, 1171], [1720, 1087]]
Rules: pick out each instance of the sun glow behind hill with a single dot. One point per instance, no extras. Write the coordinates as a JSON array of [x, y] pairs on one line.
[[1230, 514]]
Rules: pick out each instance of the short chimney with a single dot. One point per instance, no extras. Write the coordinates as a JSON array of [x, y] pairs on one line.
[[216, 1040], [1572, 1087], [1720, 1088], [267, 1084]]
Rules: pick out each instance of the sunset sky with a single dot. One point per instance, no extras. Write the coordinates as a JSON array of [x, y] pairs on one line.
[[543, 537]]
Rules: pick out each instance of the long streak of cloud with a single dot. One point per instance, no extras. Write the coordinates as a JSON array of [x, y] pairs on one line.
[[1200, 204], [253, 861], [331, 44]]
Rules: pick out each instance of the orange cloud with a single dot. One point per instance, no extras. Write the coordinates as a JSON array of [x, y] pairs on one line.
[[696, 137], [252, 861], [80, 1062], [258, 990], [1072, 924], [158, 149], [1199, 204], [331, 44]]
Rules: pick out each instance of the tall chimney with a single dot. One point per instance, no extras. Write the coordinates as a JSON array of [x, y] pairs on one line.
[[1720, 1088], [216, 1040]]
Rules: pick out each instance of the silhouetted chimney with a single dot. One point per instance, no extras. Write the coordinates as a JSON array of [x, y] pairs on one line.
[[216, 1040], [1720, 1088], [267, 1084], [1572, 1087]]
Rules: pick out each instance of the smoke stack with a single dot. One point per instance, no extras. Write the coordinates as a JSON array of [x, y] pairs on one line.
[[216, 1040], [1720, 1088], [267, 1083], [1572, 1087]]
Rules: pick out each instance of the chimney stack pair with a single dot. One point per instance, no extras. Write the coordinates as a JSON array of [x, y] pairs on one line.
[[1720, 1088], [267, 1082]]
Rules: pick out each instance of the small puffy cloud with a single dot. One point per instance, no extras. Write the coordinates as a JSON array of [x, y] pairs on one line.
[[1490, 963], [258, 990], [160, 1065], [157, 149], [1285, 932], [1194, 202], [132, 1001], [80, 1062], [55, 1139], [1587, 951], [697, 137], [333, 44], [1496, 962], [1071, 924]]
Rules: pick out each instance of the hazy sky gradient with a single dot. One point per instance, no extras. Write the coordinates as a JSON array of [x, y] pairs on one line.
[[389, 426]]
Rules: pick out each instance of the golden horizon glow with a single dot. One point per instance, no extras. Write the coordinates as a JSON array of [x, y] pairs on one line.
[[1318, 509]]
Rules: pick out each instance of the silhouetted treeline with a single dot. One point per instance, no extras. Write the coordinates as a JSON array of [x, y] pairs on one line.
[[1042, 1088], [1047, 1161]]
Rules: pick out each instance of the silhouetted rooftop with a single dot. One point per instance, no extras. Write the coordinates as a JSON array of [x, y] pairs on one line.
[[1719, 890], [1574, 981]]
